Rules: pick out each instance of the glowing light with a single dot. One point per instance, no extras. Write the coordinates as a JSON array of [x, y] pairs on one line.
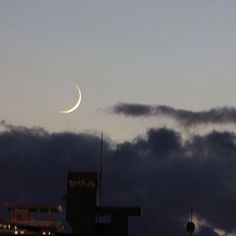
[[60, 209]]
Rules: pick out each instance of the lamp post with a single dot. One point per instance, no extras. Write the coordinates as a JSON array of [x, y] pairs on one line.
[[190, 227]]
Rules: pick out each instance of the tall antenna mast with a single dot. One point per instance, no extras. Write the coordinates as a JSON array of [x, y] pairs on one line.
[[100, 172]]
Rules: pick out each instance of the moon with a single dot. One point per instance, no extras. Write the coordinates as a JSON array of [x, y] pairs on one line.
[[75, 106]]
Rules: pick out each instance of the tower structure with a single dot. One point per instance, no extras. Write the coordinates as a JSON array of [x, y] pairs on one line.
[[81, 202], [83, 210]]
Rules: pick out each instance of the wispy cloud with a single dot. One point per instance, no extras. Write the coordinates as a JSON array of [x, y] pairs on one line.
[[186, 118]]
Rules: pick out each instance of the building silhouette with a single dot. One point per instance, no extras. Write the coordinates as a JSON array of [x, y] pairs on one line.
[[83, 211]]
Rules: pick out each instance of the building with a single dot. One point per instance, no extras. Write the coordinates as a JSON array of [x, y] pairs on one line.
[[84, 213], [27, 219]]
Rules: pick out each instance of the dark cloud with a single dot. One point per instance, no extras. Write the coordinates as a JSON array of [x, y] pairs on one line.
[[185, 117], [133, 109], [159, 172], [206, 231]]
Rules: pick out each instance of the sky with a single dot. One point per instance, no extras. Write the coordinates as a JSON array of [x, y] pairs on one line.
[[174, 53], [157, 77]]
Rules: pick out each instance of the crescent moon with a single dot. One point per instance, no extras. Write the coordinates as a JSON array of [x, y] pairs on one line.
[[75, 106]]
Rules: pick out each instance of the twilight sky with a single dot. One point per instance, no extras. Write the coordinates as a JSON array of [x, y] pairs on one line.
[[174, 53], [158, 77]]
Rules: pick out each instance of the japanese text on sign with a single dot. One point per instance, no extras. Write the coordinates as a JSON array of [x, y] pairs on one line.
[[82, 183]]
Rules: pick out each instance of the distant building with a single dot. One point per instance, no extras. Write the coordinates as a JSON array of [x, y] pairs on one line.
[[83, 213], [31, 219]]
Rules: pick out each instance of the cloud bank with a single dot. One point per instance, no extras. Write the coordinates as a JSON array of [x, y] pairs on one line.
[[158, 171], [186, 118]]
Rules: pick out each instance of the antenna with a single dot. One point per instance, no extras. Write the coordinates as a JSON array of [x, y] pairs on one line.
[[191, 214], [100, 171]]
